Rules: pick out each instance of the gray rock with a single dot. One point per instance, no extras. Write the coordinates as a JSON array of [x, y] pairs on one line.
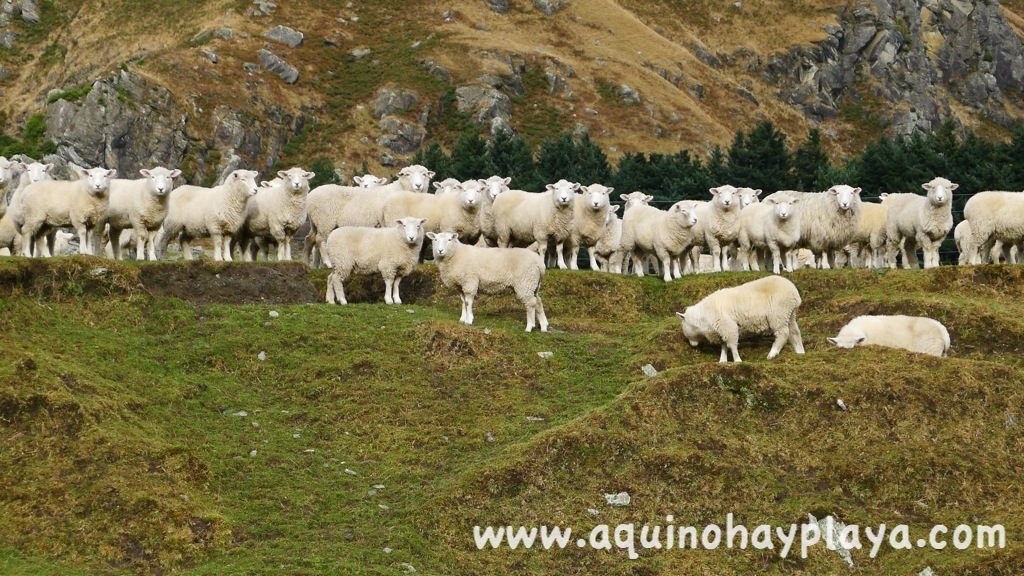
[[620, 499], [388, 160], [500, 125], [224, 33], [264, 7], [580, 130], [210, 56], [7, 38], [30, 11], [285, 35], [549, 7], [359, 53], [438, 71], [250, 66], [202, 37], [4, 73], [482, 103], [392, 100], [400, 137], [628, 95], [275, 64], [499, 6], [483, 27], [649, 370]]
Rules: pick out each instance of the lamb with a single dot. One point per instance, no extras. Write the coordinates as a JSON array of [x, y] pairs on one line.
[[914, 333], [589, 216], [525, 217], [868, 246], [218, 212], [275, 213], [140, 206], [81, 203], [828, 220], [330, 206], [767, 304], [458, 213], [608, 250], [392, 252], [773, 225], [996, 221], [473, 269], [919, 220], [665, 234]]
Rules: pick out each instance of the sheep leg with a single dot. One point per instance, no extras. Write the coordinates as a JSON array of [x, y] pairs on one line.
[[115, 247], [795, 337], [469, 308], [226, 251], [530, 301], [638, 266], [84, 242], [542, 318], [394, 289], [574, 250], [559, 247], [389, 282], [592, 252], [677, 271], [287, 249], [776, 257], [218, 246], [724, 356], [716, 255], [744, 256], [462, 318], [824, 260], [730, 338], [307, 248]]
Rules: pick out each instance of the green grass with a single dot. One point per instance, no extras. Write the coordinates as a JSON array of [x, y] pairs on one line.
[[123, 452]]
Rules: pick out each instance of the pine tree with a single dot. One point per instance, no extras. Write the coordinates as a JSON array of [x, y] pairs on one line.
[[434, 158], [808, 161], [469, 158], [323, 169], [512, 158], [591, 163], [760, 159], [555, 159]]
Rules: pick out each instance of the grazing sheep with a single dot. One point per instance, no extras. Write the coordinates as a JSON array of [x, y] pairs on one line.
[[867, 250], [588, 223], [665, 234], [765, 305], [770, 226], [997, 221], [140, 206], [608, 250], [218, 212], [391, 252], [458, 213], [494, 186], [473, 269], [81, 203], [275, 213], [446, 186], [919, 221], [828, 220], [913, 333], [525, 218]]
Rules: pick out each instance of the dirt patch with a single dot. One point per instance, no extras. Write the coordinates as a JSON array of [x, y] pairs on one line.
[[203, 282]]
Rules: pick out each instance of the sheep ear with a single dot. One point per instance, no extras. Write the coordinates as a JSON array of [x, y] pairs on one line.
[[927, 186], [757, 192], [856, 191], [681, 315], [112, 173], [953, 186], [648, 198], [145, 173], [455, 236], [794, 201], [624, 197], [430, 173], [609, 191], [883, 195], [860, 340], [308, 175], [482, 183], [714, 191], [506, 181], [282, 174], [423, 221], [431, 235], [550, 187], [46, 167], [437, 185], [174, 173], [770, 200], [833, 191], [583, 189], [399, 222], [833, 341], [614, 209]]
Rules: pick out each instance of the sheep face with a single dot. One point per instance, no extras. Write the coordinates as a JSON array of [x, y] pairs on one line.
[[784, 206], [844, 196], [5, 171], [247, 178], [417, 176], [563, 192], [368, 181], [296, 179], [448, 186], [940, 191], [848, 338], [725, 196], [36, 171], [691, 330], [161, 180], [496, 185], [686, 211], [471, 195], [444, 244], [747, 196], [411, 229], [634, 199], [596, 196], [97, 180]]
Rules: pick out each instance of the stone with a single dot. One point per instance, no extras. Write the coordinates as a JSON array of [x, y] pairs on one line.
[[388, 160], [482, 27], [274, 314], [223, 33], [392, 100], [628, 95], [30, 11], [262, 355], [482, 103], [250, 66], [499, 125], [275, 64], [399, 136], [202, 37], [7, 38], [285, 35], [621, 499], [210, 56], [499, 6], [549, 7], [545, 355], [649, 370], [359, 53], [264, 7]]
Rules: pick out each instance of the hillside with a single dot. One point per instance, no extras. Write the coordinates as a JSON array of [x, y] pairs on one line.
[[181, 82], [144, 434]]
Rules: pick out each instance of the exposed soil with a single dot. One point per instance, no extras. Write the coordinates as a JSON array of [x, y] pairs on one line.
[[203, 282]]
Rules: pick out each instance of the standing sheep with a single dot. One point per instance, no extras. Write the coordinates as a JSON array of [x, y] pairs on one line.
[[458, 213], [828, 220], [765, 305], [494, 186], [6, 182], [446, 186], [867, 250], [81, 203], [391, 252], [665, 234], [588, 223], [913, 333], [747, 196], [919, 221], [772, 226], [720, 222], [608, 250], [997, 220], [525, 218], [218, 212], [472, 269], [139, 206], [274, 214]]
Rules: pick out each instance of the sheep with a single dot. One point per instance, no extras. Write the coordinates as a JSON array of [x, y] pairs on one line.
[[996, 221], [391, 252], [330, 206], [868, 246], [828, 220], [913, 333], [30, 174], [634, 199], [747, 196], [457, 213], [80, 203], [666, 234], [6, 179], [494, 186], [368, 181], [276, 212], [720, 220], [919, 220], [218, 212], [773, 225], [140, 206], [473, 269], [767, 304], [446, 186], [526, 217], [962, 235], [608, 250], [588, 223]]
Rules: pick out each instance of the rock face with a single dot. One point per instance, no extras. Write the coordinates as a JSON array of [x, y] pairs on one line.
[[400, 137], [285, 35], [275, 64], [30, 11], [549, 7], [483, 103], [393, 100], [499, 6], [899, 51]]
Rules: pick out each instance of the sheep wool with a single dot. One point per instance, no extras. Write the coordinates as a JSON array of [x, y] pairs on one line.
[[994, 216], [923, 221], [913, 333], [218, 212], [81, 203], [139, 206], [275, 213], [391, 252]]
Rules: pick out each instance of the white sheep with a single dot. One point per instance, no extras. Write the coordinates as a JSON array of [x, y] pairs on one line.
[[608, 250], [474, 269], [368, 181], [747, 196], [914, 333], [867, 250], [391, 252], [720, 223], [274, 214], [588, 223], [997, 221], [772, 226], [634, 199], [828, 220], [6, 183], [80, 203], [494, 186], [30, 174], [666, 234], [919, 221], [218, 212], [140, 206], [525, 218], [446, 186], [764, 305], [458, 213], [962, 236]]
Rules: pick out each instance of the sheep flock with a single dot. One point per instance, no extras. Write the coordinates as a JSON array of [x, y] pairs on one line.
[[484, 235]]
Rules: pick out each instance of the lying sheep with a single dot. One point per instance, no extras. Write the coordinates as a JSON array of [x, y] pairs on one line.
[[80, 203], [472, 269], [828, 220], [218, 212], [458, 213], [919, 221], [275, 213], [913, 333], [608, 250], [772, 226], [665, 234], [391, 252], [997, 221], [525, 218], [140, 206], [765, 305], [588, 224], [867, 250]]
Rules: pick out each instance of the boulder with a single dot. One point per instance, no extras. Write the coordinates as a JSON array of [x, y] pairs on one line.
[[400, 137], [499, 6], [392, 100], [482, 103], [549, 7], [285, 35], [275, 64]]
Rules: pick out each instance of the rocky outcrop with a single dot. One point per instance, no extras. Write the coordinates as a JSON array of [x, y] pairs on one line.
[[285, 35], [499, 6], [918, 56], [275, 64], [399, 136], [482, 103], [549, 7], [393, 100]]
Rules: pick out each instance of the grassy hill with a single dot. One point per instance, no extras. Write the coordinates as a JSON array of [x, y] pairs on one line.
[[143, 434]]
